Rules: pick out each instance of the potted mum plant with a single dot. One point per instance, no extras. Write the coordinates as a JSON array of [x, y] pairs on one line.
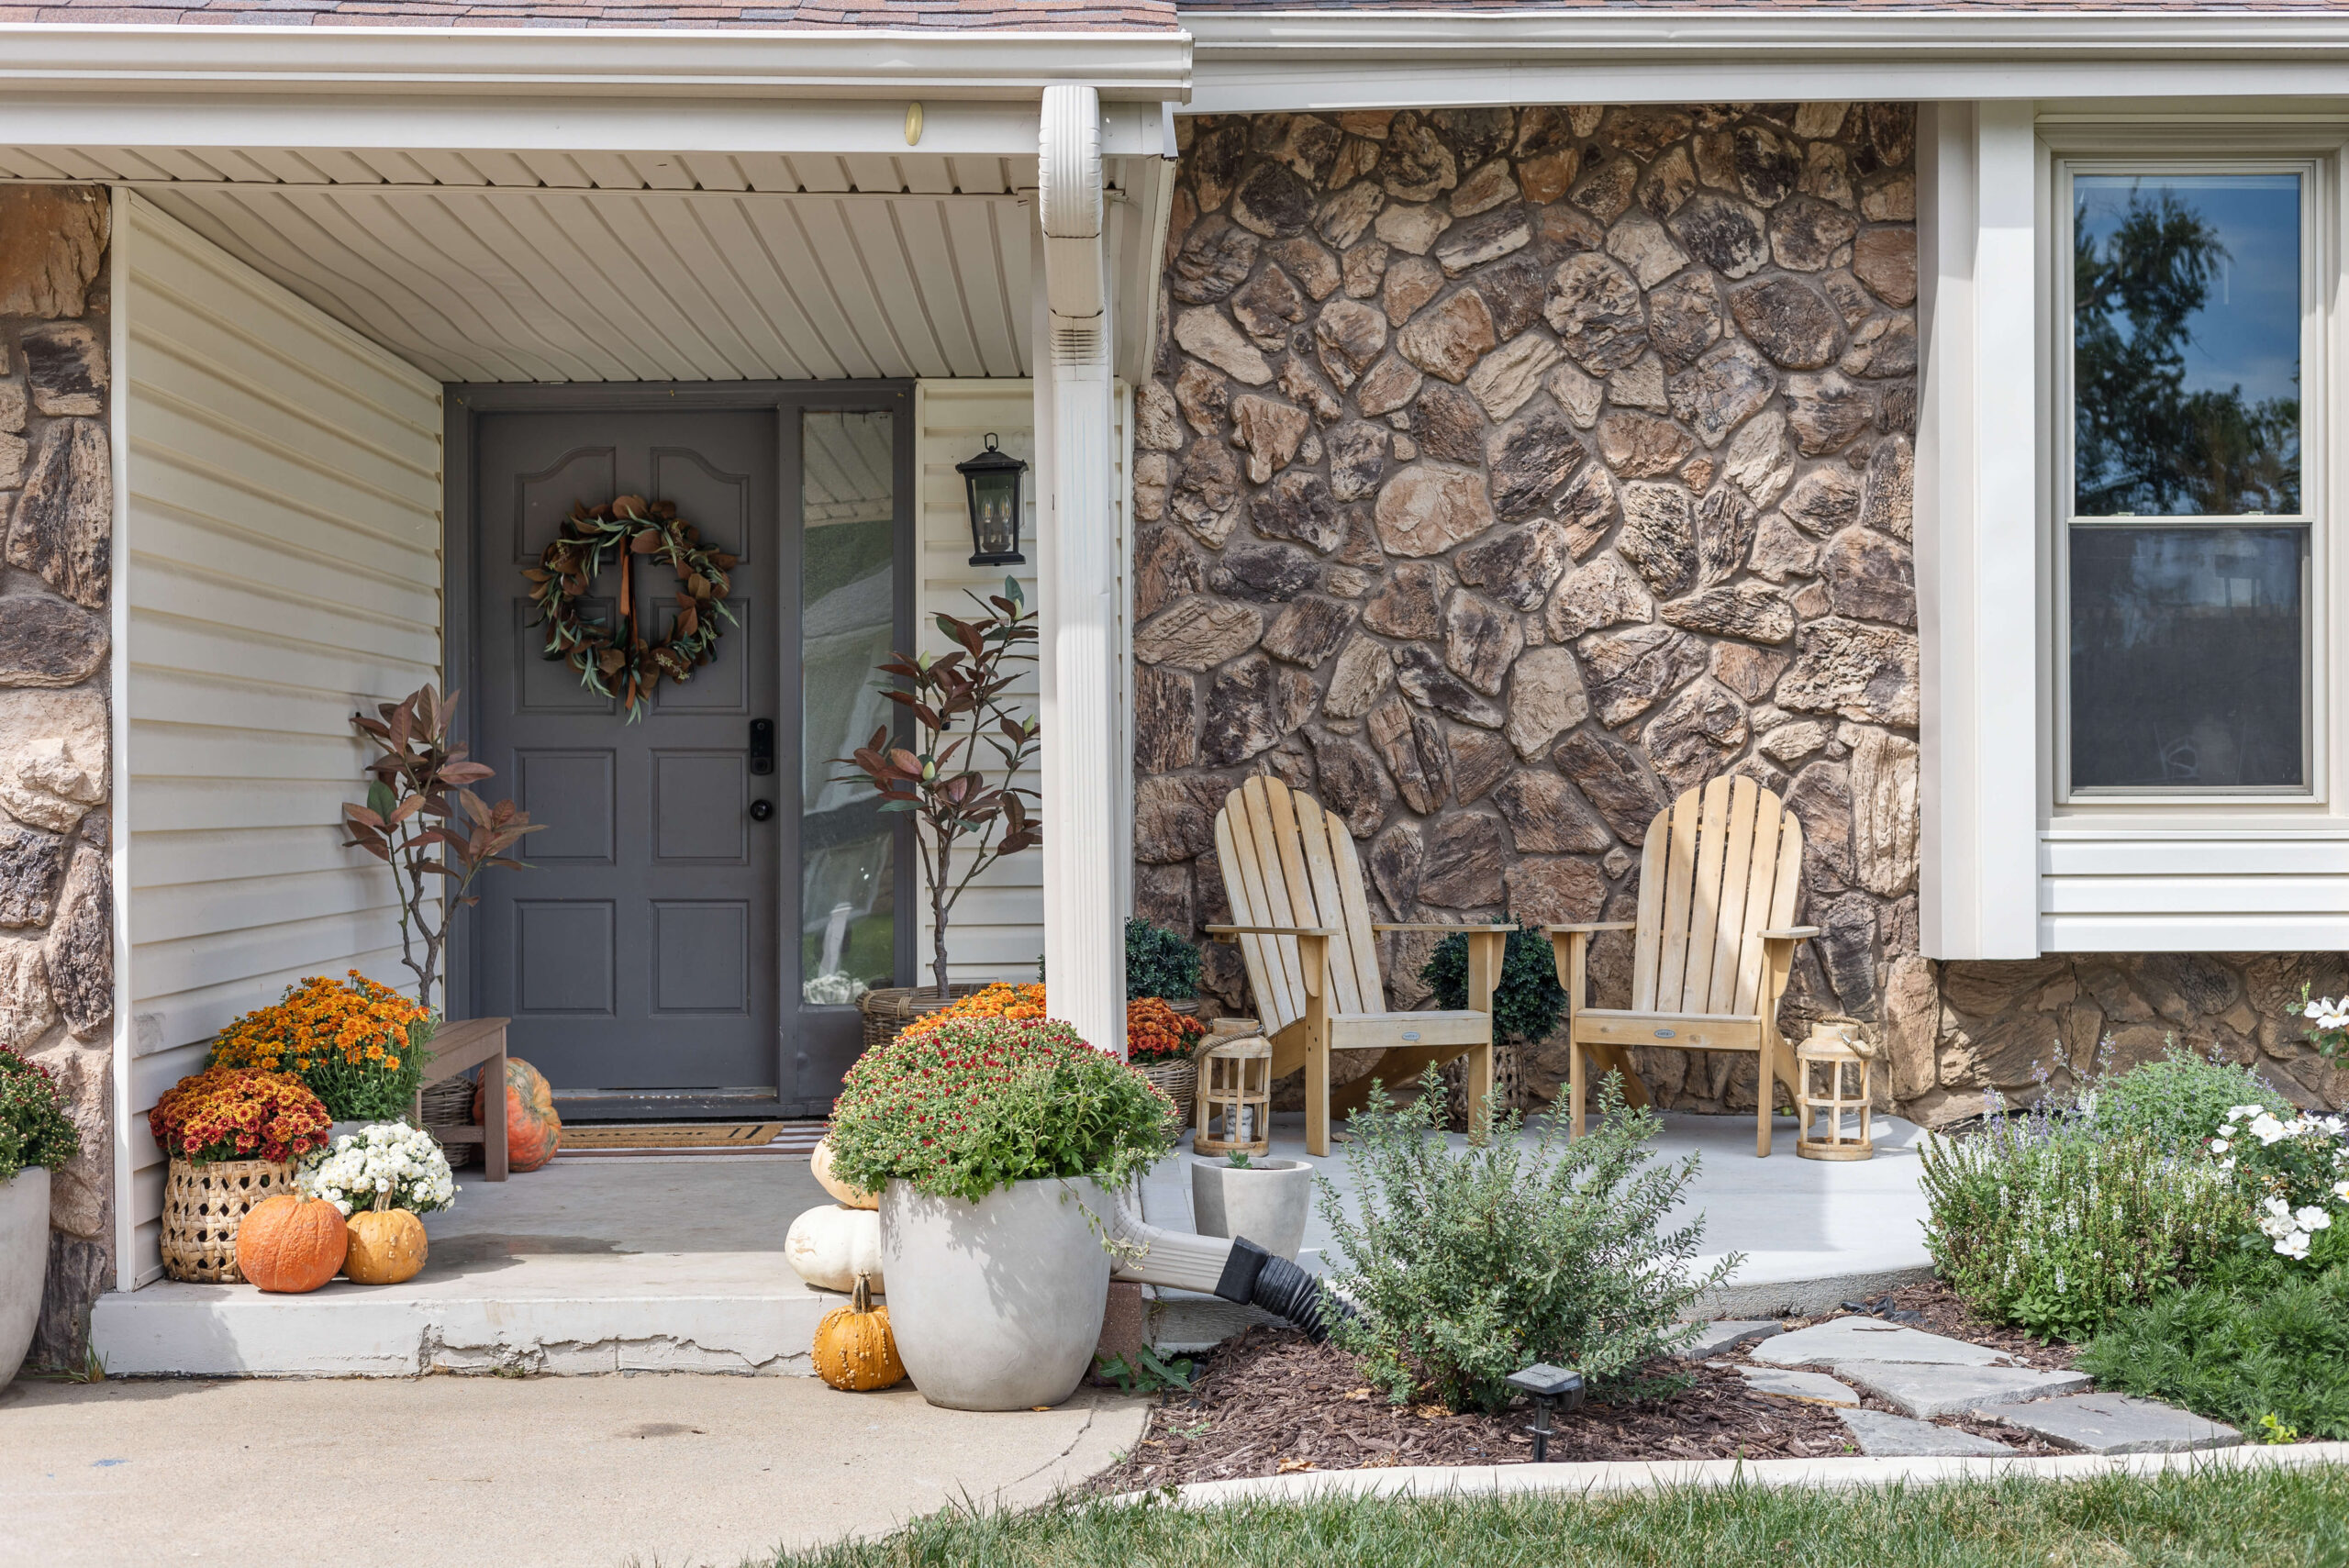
[[996, 1145], [358, 1044], [35, 1139], [379, 1179], [233, 1135]]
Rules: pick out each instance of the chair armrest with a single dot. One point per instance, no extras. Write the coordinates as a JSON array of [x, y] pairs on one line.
[[1789, 934], [1271, 931], [1435, 925], [1590, 927]]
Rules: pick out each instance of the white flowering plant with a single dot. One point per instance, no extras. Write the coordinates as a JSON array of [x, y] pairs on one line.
[[386, 1165], [2328, 1021], [2296, 1172]]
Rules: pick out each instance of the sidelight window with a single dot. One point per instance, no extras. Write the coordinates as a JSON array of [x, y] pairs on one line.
[[2184, 555]]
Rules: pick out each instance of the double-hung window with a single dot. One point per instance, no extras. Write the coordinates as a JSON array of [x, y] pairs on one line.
[[2188, 541]]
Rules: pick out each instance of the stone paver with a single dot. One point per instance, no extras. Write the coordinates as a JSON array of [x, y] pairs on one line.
[[1869, 1339], [2116, 1423], [1928, 1390], [1728, 1334], [1786, 1382], [1880, 1434]]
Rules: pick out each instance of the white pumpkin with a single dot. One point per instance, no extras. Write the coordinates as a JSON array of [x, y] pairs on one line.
[[830, 1245], [848, 1197]]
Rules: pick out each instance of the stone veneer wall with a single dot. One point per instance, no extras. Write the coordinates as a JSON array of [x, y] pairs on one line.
[[56, 892], [1506, 472]]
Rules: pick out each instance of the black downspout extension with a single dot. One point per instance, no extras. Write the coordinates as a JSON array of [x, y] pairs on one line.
[[1257, 1278]]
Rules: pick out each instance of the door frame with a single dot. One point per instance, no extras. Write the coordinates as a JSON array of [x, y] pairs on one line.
[[462, 407]]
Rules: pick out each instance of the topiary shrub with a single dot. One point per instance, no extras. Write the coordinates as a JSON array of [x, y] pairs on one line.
[[1467, 1264], [1159, 963], [1528, 1001], [2178, 1101]]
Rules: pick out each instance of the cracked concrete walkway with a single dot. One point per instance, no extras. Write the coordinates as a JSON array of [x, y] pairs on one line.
[[557, 1473]]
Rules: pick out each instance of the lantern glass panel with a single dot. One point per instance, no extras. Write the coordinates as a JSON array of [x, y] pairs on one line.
[[995, 512]]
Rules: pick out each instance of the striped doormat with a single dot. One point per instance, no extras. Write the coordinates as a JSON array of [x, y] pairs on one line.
[[797, 1138]]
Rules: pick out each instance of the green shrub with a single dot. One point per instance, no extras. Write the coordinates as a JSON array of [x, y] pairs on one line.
[[2253, 1339], [2051, 1225], [977, 1104], [1158, 963], [2178, 1101], [1466, 1264], [33, 1131], [1528, 1001]]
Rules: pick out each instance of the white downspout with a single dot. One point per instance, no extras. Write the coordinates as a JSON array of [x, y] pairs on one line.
[[1084, 927]]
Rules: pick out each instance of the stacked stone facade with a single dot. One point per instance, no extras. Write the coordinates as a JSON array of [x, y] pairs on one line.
[[56, 892], [1506, 472]]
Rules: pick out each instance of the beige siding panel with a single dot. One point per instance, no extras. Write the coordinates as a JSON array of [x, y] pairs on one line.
[[999, 928], [615, 282], [284, 570]]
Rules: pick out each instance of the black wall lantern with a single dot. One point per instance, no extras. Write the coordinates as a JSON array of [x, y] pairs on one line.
[[992, 479]]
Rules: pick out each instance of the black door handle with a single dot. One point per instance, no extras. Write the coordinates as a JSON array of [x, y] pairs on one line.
[[762, 809]]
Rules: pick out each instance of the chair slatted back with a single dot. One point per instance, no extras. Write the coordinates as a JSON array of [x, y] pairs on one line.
[[1721, 863], [1286, 862]]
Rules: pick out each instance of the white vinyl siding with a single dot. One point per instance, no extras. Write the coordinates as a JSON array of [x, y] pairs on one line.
[[283, 539], [998, 930]]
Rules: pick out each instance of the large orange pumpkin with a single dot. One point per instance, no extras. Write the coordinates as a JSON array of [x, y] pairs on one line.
[[533, 1132], [292, 1244], [854, 1348]]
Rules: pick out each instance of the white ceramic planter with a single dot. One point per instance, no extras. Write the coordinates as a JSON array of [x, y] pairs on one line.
[[24, 1262], [996, 1304], [1267, 1201]]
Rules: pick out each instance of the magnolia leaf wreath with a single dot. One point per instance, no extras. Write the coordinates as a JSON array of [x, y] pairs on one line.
[[618, 659]]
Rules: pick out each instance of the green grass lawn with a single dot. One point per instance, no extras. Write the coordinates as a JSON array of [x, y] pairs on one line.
[[2256, 1517]]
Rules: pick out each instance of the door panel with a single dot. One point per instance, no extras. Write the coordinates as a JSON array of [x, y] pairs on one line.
[[640, 951]]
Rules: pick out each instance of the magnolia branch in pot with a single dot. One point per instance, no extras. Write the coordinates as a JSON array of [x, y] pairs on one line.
[[956, 702], [422, 819]]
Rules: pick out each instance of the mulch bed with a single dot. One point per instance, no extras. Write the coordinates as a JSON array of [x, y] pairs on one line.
[[1269, 1401]]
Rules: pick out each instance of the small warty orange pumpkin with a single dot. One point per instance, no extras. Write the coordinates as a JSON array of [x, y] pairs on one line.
[[292, 1244], [854, 1348], [387, 1247]]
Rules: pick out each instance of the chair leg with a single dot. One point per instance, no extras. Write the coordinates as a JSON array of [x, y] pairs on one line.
[[1317, 1096], [1577, 1081], [1766, 1096], [1480, 1091]]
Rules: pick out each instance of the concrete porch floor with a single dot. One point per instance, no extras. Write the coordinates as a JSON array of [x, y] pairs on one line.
[[676, 1265]]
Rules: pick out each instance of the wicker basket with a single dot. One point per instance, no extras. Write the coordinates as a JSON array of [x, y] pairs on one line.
[[1177, 1077], [1508, 1084], [449, 1103], [203, 1206], [891, 1007]]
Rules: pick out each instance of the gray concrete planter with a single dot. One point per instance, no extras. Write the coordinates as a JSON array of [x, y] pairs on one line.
[[24, 1262], [1267, 1201], [996, 1304]]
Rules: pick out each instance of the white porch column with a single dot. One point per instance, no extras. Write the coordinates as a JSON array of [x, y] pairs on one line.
[[1084, 927], [1979, 609]]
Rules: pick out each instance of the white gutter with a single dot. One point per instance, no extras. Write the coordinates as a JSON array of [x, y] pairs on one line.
[[1258, 60], [731, 62]]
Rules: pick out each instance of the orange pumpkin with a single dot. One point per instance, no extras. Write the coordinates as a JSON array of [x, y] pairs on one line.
[[854, 1348], [387, 1247], [292, 1244], [533, 1132]]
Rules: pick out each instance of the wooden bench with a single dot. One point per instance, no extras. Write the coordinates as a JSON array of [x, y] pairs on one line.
[[456, 1049]]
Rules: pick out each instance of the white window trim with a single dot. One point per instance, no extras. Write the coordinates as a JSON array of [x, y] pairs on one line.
[[2297, 155]]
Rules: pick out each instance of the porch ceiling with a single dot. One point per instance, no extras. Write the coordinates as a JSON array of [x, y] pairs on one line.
[[486, 283]]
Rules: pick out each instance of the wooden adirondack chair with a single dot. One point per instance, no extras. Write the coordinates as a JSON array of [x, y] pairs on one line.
[[1718, 879], [1304, 932]]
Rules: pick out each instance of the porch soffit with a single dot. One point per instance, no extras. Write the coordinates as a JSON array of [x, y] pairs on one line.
[[501, 284]]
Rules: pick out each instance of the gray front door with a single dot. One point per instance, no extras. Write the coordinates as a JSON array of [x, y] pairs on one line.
[[639, 954]]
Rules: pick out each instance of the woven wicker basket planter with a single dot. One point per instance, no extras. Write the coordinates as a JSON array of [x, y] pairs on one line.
[[449, 1103], [1178, 1079], [1508, 1084], [890, 1008], [203, 1206]]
